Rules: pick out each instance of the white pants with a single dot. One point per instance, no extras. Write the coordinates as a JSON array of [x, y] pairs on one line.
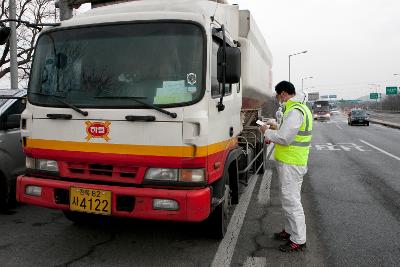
[[290, 180]]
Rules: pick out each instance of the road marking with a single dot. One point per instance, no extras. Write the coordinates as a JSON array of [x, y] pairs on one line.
[[270, 149], [339, 147], [255, 262], [337, 125], [227, 246], [264, 191], [381, 150]]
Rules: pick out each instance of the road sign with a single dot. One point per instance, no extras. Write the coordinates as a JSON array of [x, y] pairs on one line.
[[373, 95], [392, 90], [313, 96], [332, 96], [324, 96]]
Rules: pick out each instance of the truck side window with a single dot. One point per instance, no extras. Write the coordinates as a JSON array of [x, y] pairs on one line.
[[16, 108], [216, 88]]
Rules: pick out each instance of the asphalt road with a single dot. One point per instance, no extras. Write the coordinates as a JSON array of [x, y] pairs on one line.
[[354, 179], [351, 197]]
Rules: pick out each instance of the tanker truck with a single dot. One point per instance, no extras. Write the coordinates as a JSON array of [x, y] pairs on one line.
[[146, 110]]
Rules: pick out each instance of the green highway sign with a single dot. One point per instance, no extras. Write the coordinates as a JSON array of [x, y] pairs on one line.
[[332, 96], [373, 95], [392, 90]]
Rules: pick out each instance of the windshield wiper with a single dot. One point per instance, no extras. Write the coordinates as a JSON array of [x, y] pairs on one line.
[[136, 99], [84, 113]]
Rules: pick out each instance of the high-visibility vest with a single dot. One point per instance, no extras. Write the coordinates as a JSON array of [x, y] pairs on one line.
[[296, 153]]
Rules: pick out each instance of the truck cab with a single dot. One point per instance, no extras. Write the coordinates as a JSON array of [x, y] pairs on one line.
[[134, 110]]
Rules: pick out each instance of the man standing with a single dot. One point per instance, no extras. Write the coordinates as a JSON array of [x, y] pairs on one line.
[[292, 145]]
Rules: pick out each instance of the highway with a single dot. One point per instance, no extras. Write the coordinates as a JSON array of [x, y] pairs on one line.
[[351, 197], [354, 179]]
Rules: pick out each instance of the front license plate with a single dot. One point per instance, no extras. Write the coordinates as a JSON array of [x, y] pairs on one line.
[[90, 200]]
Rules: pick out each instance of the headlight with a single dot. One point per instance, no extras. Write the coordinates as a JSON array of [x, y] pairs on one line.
[[175, 175], [161, 174], [42, 164]]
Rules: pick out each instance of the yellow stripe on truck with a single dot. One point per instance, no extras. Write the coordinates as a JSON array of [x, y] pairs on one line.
[[124, 149]]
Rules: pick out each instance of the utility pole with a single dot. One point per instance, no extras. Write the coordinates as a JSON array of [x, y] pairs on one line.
[[13, 46]]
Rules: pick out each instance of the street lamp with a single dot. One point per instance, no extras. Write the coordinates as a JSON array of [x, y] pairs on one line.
[[295, 54]]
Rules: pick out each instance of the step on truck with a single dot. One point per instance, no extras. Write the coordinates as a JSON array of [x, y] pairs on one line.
[[146, 110]]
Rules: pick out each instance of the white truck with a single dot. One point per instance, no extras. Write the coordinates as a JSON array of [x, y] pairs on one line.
[[146, 109]]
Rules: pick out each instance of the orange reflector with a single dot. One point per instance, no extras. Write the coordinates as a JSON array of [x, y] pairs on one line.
[[191, 175], [217, 165]]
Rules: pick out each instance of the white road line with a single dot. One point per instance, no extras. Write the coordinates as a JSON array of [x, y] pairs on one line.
[[227, 246], [270, 149], [264, 192], [381, 150], [337, 125], [255, 262]]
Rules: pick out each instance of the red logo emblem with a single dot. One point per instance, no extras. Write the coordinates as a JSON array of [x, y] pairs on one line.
[[97, 130]]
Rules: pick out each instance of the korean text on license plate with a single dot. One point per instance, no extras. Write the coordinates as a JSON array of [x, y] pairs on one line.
[[90, 200]]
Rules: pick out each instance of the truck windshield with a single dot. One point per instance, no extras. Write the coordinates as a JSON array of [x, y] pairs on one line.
[[320, 108], [99, 66]]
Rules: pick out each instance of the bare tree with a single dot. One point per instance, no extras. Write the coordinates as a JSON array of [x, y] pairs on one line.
[[34, 11], [391, 103]]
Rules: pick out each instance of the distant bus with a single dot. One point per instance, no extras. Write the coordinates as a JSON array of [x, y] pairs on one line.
[[321, 110]]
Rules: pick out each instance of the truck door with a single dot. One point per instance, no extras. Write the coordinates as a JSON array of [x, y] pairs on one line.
[[223, 125]]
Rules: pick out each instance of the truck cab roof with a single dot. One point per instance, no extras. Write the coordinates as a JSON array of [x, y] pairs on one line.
[[190, 10]]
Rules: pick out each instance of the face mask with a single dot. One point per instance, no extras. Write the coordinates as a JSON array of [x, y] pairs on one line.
[[281, 102]]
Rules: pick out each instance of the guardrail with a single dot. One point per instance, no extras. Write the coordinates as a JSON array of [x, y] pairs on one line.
[[385, 123]]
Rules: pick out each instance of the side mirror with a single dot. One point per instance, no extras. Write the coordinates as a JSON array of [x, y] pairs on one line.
[[4, 34], [232, 65], [13, 121]]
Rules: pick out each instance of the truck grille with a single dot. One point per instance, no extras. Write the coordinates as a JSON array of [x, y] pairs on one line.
[[87, 170]]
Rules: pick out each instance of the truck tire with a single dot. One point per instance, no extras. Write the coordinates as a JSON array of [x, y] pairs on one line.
[[217, 222], [367, 123], [4, 193]]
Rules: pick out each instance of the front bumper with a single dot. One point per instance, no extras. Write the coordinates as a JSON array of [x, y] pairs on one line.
[[194, 204], [359, 121], [322, 118]]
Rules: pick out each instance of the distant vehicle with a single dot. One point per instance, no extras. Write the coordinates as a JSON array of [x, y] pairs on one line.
[[358, 116], [335, 111], [321, 110], [12, 158]]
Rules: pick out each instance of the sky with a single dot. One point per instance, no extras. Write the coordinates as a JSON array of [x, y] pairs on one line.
[[353, 45]]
